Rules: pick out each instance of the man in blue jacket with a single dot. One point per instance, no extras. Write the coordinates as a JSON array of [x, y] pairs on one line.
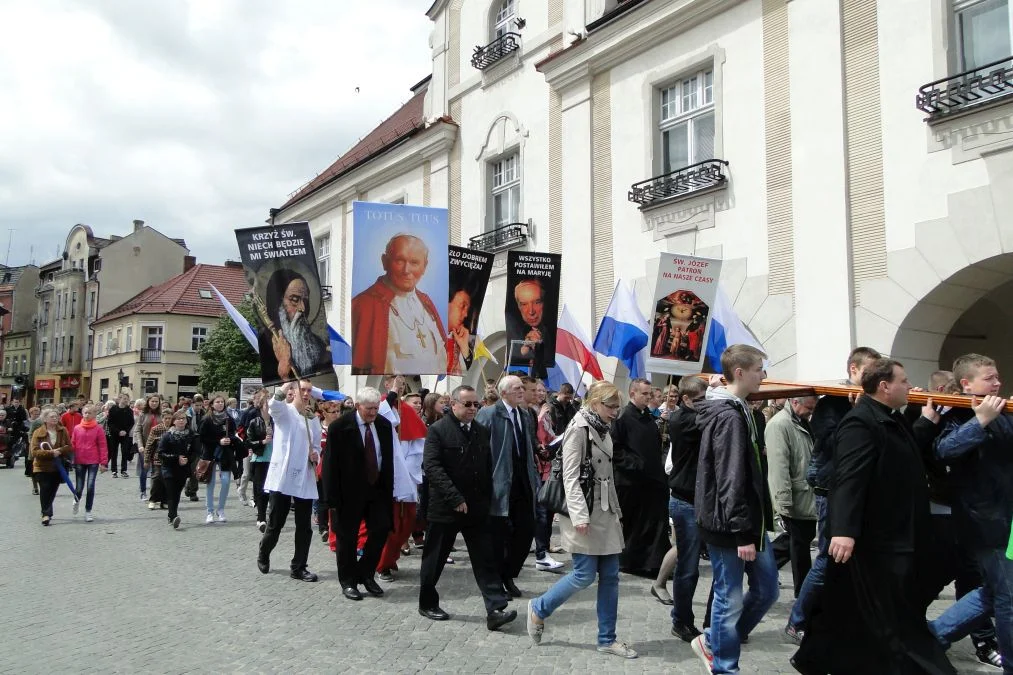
[[977, 445], [514, 479]]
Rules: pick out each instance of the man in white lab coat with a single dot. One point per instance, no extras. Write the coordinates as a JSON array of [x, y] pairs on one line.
[[291, 480]]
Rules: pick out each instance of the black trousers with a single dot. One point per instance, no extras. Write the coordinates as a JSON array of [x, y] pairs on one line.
[[278, 507], [123, 445], [191, 483], [477, 537], [174, 482], [49, 483], [259, 496], [376, 513], [801, 534], [512, 536]]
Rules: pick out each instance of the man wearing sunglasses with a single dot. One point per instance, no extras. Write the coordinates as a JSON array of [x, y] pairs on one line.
[[458, 467]]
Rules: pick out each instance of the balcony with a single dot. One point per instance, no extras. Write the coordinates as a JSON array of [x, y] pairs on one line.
[[502, 46], [325, 292], [500, 239], [151, 356], [978, 88], [597, 13], [691, 180]]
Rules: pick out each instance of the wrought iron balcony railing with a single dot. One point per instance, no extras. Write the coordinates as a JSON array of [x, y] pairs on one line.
[[504, 45], [705, 175], [957, 93], [151, 356], [500, 239]]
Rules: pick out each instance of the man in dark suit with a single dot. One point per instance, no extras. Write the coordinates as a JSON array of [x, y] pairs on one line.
[[358, 484], [514, 479], [458, 469]]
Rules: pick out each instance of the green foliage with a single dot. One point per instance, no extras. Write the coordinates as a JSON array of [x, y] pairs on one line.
[[226, 356]]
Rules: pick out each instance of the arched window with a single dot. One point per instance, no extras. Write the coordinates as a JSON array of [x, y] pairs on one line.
[[503, 17]]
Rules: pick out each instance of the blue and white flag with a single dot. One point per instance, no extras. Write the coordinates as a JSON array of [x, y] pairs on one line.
[[726, 329], [241, 323], [624, 331], [341, 351]]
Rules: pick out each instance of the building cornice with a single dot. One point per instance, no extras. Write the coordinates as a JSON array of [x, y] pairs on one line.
[[408, 155], [626, 37]]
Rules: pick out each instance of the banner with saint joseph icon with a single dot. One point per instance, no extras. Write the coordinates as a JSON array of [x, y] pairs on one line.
[[683, 305], [291, 323], [399, 289]]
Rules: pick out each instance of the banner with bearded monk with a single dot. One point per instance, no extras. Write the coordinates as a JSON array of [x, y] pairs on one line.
[[291, 324], [399, 289]]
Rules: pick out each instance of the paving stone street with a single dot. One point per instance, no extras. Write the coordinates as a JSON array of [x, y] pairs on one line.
[[127, 594]]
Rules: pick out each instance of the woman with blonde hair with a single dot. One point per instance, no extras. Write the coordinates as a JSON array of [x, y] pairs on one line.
[[91, 454], [219, 442], [50, 443], [593, 533]]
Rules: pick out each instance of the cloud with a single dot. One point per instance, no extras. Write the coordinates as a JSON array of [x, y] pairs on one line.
[[196, 116]]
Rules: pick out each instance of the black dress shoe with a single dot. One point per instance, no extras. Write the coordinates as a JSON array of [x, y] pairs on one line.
[[499, 618], [303, 575], [511, 588], [372, 587], [434, 614], [684, 632], [351, 592], [264, 565]]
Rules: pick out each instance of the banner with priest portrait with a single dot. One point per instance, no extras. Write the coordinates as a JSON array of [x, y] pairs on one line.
[[399, 289], [532, 305]]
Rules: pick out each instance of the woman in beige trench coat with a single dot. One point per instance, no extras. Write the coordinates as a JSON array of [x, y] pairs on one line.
[[593, 533]]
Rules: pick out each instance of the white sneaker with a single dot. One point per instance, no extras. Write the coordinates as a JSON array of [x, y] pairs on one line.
[[619, 649], [76, 507], [175, 523], [262, 526], [88, 517], [209, 519], [253, 504], [220, 516], [547, 564]]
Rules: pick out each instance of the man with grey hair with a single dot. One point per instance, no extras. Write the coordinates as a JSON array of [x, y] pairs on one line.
[[514, 479], [396, 327], [358, 485], [789, 442]]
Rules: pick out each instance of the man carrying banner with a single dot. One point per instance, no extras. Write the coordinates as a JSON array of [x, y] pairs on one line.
[[396, 327]]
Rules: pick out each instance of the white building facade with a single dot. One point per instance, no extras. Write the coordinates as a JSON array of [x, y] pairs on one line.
[[797, 140]]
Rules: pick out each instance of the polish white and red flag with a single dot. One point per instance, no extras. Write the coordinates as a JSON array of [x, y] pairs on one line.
[[574, 355]]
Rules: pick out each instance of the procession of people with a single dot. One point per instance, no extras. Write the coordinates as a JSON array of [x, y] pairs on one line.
[[867, 470]]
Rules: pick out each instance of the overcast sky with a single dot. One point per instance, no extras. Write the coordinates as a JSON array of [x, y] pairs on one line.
[[196, 116]]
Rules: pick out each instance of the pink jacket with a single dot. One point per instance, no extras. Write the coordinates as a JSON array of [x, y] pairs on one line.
[[89, 445]]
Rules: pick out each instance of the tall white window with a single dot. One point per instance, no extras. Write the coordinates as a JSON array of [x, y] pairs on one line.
[[984, 32], [197, 337], [109, 342], [506, 190], [503, 19], [24, 364], [130, 339], [323, 247], [687, 121], [153, 337]]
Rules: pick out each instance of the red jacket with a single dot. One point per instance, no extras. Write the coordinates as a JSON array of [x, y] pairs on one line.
[[69, 420], [370, 319], [89, 445]]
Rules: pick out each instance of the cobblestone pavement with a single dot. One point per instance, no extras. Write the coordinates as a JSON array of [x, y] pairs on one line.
[[127, 594]]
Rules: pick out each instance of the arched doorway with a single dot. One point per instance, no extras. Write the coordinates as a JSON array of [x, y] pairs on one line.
[[969, 311]]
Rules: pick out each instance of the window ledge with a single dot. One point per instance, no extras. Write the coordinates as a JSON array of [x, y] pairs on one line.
[[502, 68], [986, 86]]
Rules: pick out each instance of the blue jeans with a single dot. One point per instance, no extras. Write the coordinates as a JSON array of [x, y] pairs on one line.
[[82, 473], [224, 478], [585, 567], [813, 584], [995, 595], [687, 562], [142, 473], [732, 614]]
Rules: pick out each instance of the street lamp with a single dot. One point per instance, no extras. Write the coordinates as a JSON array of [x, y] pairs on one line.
[[120, 377]]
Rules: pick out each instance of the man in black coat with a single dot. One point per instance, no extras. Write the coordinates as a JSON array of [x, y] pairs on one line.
[[458, 465], [641, 484], [871, 616], [358, 483]]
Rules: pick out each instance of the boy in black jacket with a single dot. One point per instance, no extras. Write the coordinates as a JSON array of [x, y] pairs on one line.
[[732, 509]]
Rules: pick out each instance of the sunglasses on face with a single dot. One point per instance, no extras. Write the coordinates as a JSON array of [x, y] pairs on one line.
[[468, 404]]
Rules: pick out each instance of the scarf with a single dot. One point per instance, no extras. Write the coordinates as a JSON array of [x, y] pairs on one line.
[[595, 421], [219, 417], [178, 433], [87, 424]]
